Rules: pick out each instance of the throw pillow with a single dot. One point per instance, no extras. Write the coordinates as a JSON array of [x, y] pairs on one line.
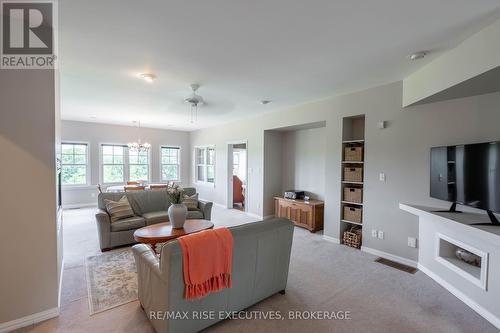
[[191, 202], [118, 209]]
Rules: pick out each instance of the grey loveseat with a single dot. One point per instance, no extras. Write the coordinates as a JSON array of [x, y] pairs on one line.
[[150, 207], [261, 257]]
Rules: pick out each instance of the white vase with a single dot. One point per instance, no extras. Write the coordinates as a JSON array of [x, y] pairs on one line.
[[177, 214]]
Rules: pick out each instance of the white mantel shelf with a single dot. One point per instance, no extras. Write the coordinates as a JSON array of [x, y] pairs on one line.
[[440, 234], [465, 219]]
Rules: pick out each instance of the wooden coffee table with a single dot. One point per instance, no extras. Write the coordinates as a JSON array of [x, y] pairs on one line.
[[163, 232]]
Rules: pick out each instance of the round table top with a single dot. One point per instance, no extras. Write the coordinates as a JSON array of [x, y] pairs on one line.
[[163, 232]]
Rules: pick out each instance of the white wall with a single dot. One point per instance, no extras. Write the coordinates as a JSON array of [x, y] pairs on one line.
[[28, 246], [401, 151], [476, 55], [95, 134], [304, 155]]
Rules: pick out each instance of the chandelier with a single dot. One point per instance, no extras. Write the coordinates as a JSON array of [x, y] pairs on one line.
[[138, 146]]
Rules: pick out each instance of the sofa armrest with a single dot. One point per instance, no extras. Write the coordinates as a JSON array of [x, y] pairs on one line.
[[103, 228], [147, 263], [146, 258], [206, 208]]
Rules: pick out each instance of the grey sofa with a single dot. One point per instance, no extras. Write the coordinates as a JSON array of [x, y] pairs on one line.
[[150, 207], [261, 257]]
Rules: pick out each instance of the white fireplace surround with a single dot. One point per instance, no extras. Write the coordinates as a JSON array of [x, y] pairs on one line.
[[476, 275], [440, 234]]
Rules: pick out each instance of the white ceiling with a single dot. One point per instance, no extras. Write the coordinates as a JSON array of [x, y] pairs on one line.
[[243, 51]]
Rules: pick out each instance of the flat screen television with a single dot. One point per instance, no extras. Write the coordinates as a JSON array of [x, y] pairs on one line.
[[468, 175]]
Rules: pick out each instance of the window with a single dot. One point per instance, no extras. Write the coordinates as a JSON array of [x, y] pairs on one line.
[[170, 161], [236, 163], [74, 162], [138, 165], [205, 164], [119, 164], [113, 164]]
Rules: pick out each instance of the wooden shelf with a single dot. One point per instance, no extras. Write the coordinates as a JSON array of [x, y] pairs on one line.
[[352, 203], [351, 222], [353, 129], [353, 141]]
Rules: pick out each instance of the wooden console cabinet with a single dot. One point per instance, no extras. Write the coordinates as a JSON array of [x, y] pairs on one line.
[[306, 214]]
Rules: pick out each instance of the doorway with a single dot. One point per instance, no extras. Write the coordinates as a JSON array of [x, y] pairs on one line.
[[237, 170]]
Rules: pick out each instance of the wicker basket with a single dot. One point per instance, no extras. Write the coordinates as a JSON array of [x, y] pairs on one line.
[[353, 194], [353, 174], [353, 154], [353, 214], [352, 238]]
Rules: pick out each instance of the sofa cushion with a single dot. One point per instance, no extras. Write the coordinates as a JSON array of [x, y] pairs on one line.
[[191, 202], [130, 223], [155, 217], [195, 214], [148, 201], [118, 210]]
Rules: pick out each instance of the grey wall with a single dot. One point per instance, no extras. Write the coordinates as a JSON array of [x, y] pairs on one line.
[[96, 134], [273, 165], [401, 151], [28, 246], [304, 155]]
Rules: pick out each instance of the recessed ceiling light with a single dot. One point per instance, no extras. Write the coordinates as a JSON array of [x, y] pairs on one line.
[[418, 55], [148, 77], [264, 102]]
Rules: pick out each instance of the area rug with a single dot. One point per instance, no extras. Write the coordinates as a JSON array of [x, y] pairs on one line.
[[111, 280]]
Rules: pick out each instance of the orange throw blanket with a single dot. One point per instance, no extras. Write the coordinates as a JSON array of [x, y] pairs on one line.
[[207, 260]]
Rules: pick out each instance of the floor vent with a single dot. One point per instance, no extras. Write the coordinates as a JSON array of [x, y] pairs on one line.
[[396, 265]]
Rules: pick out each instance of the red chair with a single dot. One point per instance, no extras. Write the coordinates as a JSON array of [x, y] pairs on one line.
[[238, 197]]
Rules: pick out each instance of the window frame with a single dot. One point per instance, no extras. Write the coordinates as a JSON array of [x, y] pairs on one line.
[[87, 165], [129, 164], [204, 165], [126, 164], [179, 155]]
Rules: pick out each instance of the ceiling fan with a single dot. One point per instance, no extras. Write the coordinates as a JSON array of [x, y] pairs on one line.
[[194, 100]]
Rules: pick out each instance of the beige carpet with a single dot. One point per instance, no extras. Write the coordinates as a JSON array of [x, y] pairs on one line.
[[330, 277], [111, 280], [322, 276]]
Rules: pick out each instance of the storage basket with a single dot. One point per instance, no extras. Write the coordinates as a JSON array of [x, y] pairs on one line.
[[352, 238], [353, 194], [353, 214], [353, 174], [354, 154]]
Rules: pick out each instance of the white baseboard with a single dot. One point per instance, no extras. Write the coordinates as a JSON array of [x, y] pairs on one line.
[[331, 239], [29, 320], [214, 203], [255, 215], [401, 260], [80, 205], [60, 283], [461, 296]]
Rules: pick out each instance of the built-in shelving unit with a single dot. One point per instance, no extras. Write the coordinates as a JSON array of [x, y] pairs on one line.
[[353, 167]]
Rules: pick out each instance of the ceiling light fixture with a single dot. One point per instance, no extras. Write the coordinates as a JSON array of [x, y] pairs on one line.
[[194, 100], [138, 146], [148, 77], [264, 102], [418, 55]]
